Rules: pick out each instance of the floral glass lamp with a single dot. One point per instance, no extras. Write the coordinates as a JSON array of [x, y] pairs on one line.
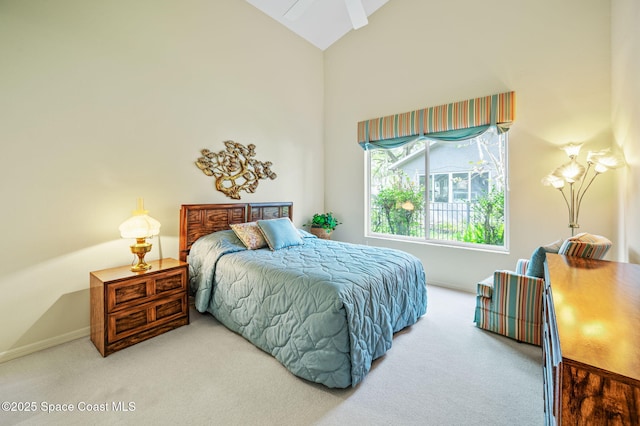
[[579, 178], [140, 226]]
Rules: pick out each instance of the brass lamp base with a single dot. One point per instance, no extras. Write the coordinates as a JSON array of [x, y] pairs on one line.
[[140, 249]]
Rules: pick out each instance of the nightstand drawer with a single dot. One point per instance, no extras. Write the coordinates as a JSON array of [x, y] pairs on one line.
[[132, 321], [171, 282], [123, 294]]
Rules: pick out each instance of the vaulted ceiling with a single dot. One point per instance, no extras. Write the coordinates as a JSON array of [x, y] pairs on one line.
[[320, 22]]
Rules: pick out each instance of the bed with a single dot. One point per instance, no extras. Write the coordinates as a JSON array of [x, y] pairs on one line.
[[324, 309]]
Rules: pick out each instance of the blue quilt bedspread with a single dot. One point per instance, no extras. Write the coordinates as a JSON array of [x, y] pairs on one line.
[[324, 309]]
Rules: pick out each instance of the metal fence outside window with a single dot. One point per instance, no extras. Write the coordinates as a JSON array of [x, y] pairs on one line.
[[448, 221]]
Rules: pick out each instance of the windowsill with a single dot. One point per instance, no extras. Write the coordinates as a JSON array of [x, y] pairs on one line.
[[446, 244]]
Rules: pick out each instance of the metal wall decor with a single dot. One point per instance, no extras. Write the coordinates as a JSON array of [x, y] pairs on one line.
[[234, 168]]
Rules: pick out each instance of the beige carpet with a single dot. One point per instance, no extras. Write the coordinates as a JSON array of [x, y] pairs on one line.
[[441, 371]]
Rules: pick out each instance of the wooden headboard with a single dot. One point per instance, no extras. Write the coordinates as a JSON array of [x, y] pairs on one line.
[[197, 220]]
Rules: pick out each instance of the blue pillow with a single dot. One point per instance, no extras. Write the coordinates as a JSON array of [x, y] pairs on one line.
[[535, 268], [280, 233]]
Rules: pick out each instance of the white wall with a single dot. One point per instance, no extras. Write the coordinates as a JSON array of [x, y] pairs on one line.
[[103, 102], [415, 54], [625, 51]]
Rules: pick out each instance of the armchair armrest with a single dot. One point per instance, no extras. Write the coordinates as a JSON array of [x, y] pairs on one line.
[[521, 266], [518, 296]]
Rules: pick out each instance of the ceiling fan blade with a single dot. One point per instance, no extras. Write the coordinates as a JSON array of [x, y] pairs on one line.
[[297, 9], [356, 13]]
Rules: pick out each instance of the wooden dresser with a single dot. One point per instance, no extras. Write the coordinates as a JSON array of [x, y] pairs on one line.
[[129, 307], [591, 342]]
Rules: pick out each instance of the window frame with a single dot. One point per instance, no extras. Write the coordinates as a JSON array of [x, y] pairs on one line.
[[504, 248]]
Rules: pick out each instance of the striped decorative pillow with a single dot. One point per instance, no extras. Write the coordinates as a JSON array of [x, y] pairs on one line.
[[586, 245]]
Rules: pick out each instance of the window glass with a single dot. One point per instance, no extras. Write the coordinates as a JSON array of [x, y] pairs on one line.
[[465, 201], [460, 184], [479, 185], [441, 188]]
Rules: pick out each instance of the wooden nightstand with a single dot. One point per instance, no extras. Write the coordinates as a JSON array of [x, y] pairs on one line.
[[129, 307]]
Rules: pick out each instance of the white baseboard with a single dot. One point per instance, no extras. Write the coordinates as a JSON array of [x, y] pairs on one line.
[[452, 287], [44, 344]]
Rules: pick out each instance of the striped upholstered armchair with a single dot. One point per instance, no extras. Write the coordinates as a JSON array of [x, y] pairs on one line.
[[510, 303]]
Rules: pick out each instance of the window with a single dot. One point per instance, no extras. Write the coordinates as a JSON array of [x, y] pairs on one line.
[[465, 200], [462, 191], [441, 188]]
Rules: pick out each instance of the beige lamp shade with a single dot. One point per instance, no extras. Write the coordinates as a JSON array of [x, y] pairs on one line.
[[571, 171], [604, 160], [140, 225], [572, 150]]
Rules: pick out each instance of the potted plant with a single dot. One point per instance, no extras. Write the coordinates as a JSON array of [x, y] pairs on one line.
[[323, 224]]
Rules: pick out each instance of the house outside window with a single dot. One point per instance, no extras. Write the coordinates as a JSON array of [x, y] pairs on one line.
[[440, 191]]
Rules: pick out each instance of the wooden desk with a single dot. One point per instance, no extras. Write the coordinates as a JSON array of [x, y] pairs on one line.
[[591, 342]]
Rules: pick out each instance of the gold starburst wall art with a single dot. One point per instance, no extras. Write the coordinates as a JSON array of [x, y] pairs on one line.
[[235, 169]]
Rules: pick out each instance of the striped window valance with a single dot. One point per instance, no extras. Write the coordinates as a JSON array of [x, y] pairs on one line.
[[454, 121]]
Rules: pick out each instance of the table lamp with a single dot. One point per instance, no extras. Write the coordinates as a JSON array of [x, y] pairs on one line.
[[140, 226]]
